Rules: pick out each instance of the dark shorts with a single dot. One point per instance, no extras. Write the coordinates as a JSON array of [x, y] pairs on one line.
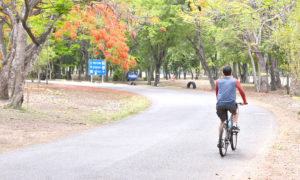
[[222, 111]]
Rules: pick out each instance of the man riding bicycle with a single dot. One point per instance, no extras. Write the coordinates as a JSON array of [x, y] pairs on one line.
[[226, 97]]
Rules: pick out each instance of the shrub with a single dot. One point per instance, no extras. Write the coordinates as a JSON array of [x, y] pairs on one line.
[[118, 75]]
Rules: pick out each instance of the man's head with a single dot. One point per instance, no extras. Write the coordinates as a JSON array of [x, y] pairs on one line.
[[227, 71]]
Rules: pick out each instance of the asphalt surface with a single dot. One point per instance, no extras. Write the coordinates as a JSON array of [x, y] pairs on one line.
[[174, 139]]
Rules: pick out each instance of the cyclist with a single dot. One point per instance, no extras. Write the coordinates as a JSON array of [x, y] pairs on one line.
[[226, 97]]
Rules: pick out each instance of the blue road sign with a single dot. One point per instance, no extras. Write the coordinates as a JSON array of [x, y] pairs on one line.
[[97, 67], [132, 76]]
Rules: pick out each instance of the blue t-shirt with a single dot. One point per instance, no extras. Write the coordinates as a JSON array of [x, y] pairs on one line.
[[226, 91]]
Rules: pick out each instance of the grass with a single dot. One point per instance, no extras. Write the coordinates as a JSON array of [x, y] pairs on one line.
[[128, 106], [20, 108]]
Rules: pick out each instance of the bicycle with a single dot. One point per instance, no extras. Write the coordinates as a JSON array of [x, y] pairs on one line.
[[227, 136]]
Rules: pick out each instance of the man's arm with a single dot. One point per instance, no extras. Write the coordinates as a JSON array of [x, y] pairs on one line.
[[217, 89], [242, 92]]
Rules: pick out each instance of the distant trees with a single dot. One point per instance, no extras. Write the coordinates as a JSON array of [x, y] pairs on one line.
[[257, 38]]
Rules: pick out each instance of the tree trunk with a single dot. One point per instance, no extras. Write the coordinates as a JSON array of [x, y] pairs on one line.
[[272, 72], [166, 70], [86, 58], [7, 61], [39, 76], [60, 71], [80, 67], [26, 56], [295, 73], [197, 74], [157, 74], [150, 74], [288, 83], [110, 71], [200, 52], [253, 68], [216, 76], [192, 75], [234, 72], [240, 71], [159, 54], [107, 73], [277, 74], [263, 71], [177, 72], [184, 75], [18, 68], [124, 78], [263, 77], [245, 76], [4, 74], [47, 74]]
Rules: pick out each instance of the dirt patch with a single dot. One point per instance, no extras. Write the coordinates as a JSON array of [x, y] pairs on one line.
[[54, 111], [282, 160]]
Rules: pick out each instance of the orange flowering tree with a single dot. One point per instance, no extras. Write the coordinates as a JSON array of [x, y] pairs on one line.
[[101, 24], [32, 22]]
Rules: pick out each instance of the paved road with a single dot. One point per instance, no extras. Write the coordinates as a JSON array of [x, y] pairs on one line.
[[174, 139]]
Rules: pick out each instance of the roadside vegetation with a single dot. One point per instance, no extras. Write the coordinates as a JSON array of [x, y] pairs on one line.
[[55, 111]]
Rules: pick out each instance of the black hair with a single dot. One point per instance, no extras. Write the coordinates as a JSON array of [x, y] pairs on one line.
[[227, 70]]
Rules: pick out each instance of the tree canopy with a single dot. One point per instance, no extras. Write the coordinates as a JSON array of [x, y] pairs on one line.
[[259, 39]]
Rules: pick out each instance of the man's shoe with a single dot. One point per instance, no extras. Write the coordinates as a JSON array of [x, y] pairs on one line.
[[235, 129]]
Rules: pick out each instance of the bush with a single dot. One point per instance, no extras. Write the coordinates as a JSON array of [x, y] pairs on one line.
[[145, 79], [118, 75]]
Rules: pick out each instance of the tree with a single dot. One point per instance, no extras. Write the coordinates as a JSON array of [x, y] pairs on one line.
[[286, 37], [37, 19], [164, 32], [196, 14], [21, 55]]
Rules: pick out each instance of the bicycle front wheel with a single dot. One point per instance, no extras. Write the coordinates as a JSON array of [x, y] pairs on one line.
[[223, 144], [233, 140]]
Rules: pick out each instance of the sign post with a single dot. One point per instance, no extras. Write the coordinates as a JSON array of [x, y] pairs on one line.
[[97, 67], [133, 77]]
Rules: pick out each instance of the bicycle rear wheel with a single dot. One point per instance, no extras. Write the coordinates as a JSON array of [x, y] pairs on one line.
[[223, 144], [233, 140]]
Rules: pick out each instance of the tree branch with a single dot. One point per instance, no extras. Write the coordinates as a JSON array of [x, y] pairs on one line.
[[2, 44], [45, 35], [24, 23], [7, 11], [261, 27]]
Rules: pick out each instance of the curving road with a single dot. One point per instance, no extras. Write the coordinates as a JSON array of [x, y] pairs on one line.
[[174, 139]]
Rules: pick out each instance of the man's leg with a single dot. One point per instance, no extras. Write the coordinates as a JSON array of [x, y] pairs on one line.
[[236, 116], [220, 127], [235, 120], [222, 114]]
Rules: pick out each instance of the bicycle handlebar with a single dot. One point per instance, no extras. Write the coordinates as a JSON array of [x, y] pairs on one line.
[[241, 103]]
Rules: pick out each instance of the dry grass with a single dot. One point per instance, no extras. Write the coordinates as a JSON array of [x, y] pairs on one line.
[[54, 111]]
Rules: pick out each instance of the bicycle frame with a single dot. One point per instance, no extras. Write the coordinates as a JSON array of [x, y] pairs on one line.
[[227, 139], [228, 136]]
